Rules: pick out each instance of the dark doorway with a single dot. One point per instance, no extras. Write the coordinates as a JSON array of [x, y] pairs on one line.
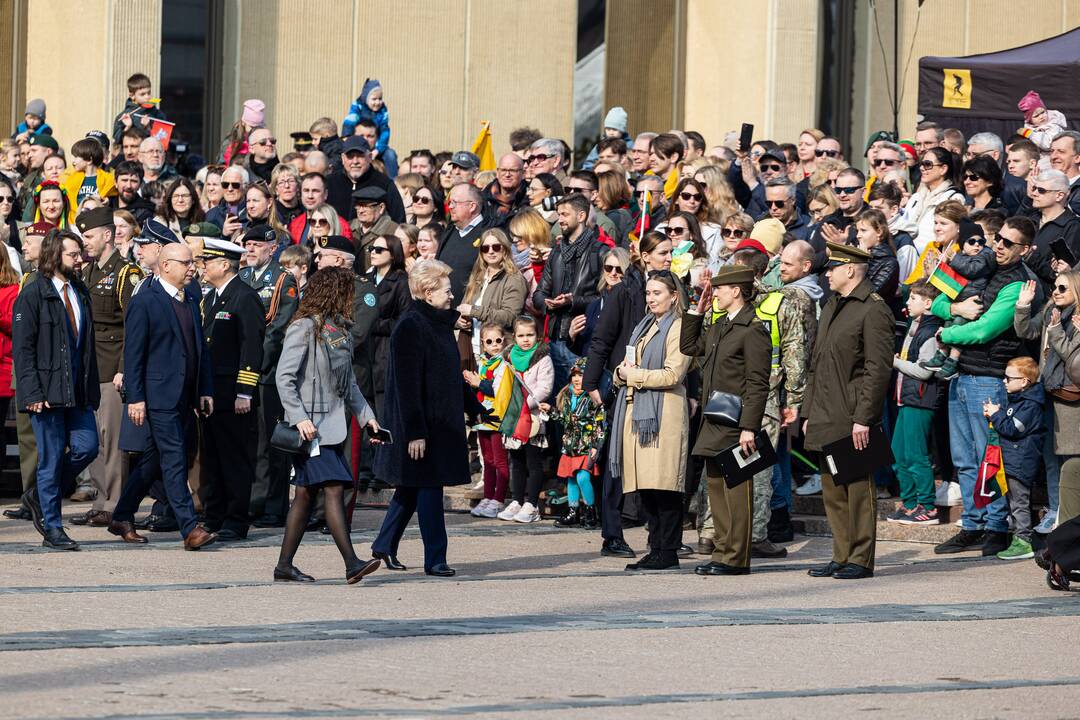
[[184, 38]]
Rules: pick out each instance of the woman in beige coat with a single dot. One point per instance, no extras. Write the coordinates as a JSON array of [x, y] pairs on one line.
[[650, 426], [495, 292]]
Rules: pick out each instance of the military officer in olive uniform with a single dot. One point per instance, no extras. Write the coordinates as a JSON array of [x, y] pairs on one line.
[[735, 354], [845, 395], [234, 330], [111, 281], [277, 290]]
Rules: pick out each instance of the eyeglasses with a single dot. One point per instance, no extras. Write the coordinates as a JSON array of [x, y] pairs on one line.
[[847, 190], [613, 269], [491, 247], [1061, 289], [267, 141], [231, 185], [539, 158], [689, 196], [774, 167], [972, 177], [376, 250], [509, 171], [776, 203], [733, 233], [885, 162], [455, 203], [445, 173], [1007, 378], [422, 200], [675, 230], [185, 263], [287, 180], [320, 222], [929, 165], [493, 341], [181, 196], [827, 153]]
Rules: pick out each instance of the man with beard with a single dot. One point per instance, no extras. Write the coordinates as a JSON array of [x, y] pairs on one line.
[[357, 173], [263, 157], [152, 157], [129, 178]]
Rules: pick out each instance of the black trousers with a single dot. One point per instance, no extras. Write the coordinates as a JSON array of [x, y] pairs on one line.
[[427, 504], [227, 469], [611, 502], [270, 489], [663, 515], [526, 473]]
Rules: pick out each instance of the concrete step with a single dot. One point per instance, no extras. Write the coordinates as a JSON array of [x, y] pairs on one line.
[[454, 499], [933, 534], [814, 505]]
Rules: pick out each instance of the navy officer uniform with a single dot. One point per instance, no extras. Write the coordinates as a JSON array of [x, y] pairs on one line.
[[280, 298], [233, 328]]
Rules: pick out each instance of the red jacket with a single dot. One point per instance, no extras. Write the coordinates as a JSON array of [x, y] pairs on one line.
[[298, 223], [7, 310]]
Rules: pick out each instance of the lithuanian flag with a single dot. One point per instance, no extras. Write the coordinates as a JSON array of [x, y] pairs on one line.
[[947, 280], [517, 420], [990, 484]]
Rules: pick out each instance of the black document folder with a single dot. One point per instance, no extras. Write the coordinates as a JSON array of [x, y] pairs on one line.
[[846, 464], [738, 469]]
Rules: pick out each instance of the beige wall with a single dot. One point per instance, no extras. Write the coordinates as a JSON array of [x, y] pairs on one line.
[[443, 66], [78, 61], [641, 61]]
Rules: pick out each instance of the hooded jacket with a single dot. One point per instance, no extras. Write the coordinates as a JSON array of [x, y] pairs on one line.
[[1019, 422]]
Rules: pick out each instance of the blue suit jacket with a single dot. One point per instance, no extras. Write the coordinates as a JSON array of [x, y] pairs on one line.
[[154, 350]]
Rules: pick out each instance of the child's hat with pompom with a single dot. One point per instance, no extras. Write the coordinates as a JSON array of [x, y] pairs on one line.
[[1029, 104]]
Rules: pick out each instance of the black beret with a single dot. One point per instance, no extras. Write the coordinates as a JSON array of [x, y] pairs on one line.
[[335, 242], [260, 233]]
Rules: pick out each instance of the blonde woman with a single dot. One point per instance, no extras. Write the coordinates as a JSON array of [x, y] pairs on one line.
[[324, 222], [722, 202], [496, 289], [808, 140]]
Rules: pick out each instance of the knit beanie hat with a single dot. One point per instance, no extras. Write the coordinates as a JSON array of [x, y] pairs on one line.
[[254, 113], [1027, 105], [370, 85], [909, 147], [770, 233], [879, 135], [36, 107], [615, 119]]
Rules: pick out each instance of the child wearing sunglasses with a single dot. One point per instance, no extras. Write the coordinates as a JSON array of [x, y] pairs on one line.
[[493, 390], [976, 263]]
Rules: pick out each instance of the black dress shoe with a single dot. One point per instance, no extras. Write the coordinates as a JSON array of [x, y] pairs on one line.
[[19, 513], [290, 573], [617, 548], [663, 560], [685, 551], [230, 535], [358, 572], [57, 539], [716, 568], [825, 570], [852, 571], [269, 521], [164, 524], [146, 522], [440, 570], [390, 561]]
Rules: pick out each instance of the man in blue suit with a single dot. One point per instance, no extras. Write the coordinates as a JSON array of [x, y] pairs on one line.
[[56, 371], [167, 376]]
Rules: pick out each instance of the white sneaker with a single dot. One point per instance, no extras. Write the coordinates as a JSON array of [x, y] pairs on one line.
[[1047, 525], [478, 511], [492, 509], [510, 512], [955, 497], [528, 514], [810, 487]]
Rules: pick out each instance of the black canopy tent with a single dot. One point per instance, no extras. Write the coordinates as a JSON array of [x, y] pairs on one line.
[[979, 92]]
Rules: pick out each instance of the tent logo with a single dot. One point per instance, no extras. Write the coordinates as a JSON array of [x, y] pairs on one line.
[[957, 86]]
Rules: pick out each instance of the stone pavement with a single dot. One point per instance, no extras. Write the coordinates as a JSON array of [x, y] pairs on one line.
[[536, 625]]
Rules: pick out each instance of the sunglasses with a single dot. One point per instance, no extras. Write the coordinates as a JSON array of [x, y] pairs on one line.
[[846, 190], [444, 173], [732, 233], [422, 200], [886, 163], [496, 247], [613, 269], [676, 231], [688, 196], [1042, 190], [7, 198], [571, 188], [774, 167], [493, 341], [776, 203], [975, 241], [1008, 244], [827, 153], [376, 250], [972, 177], [231, 185], [930, 165], [320, 222], [267, 141], [1060, 289], [533, 159]]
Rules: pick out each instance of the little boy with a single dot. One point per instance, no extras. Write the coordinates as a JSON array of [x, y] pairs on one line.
[[296, 259], [1020, 426], [33, 121], [139, 110], [917, 395], [976, 263], [370, 106]]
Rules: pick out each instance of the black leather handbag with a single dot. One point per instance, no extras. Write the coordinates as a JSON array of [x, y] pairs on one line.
[[723, 409], [285, 437]]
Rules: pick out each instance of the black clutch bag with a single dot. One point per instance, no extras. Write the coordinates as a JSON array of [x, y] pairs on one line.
[[286, 438], [723, 409]]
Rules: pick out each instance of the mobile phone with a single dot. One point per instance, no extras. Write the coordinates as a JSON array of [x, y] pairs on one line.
[[746, 136], [631, 355], [1061, 250], [383, 435]]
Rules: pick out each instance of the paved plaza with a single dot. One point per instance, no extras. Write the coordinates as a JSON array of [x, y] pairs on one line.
[[535, 625]]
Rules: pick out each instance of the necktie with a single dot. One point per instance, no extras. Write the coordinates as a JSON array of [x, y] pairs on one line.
[[70, 309], [180, 295]]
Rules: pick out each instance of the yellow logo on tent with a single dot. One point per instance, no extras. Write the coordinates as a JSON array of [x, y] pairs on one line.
[[957, 89]]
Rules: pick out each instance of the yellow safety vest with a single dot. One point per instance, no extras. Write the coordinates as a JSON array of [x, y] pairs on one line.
[[767, 311]]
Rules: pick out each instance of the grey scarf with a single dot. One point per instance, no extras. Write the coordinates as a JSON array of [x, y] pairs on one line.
[[648, 404]]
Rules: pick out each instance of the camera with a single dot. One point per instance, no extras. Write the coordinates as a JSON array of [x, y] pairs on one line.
[[550, 202]]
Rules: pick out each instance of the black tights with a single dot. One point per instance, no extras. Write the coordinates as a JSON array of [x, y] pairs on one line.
[[299, 516], [526, 473]]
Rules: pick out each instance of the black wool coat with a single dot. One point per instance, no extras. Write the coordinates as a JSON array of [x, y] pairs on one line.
[[426, 399]]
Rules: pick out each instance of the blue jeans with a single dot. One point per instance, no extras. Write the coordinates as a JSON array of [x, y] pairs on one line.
[[427, 504], [562, 360], [1050, 459], [968, 431], [781, 476], [67, 442]]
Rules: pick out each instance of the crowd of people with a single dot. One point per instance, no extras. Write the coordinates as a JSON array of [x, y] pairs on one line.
[[667, 333]]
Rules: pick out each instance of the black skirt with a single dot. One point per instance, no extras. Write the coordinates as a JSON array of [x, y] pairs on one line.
[[328, 466]]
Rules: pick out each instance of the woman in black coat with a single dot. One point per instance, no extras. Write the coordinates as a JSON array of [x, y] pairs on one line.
[[424, 410], [387, 272]]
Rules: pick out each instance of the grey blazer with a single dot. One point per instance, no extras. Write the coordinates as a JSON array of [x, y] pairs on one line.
[[322, 402]]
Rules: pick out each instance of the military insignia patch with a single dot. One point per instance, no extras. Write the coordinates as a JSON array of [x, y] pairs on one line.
[[134, 279], [369, 299], [291, 292], [223, 316], [324, 241]]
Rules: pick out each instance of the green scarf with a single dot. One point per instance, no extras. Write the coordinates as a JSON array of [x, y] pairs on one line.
[[520, 359]]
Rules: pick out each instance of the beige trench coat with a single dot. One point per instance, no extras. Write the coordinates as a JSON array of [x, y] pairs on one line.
[[663, 466]]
